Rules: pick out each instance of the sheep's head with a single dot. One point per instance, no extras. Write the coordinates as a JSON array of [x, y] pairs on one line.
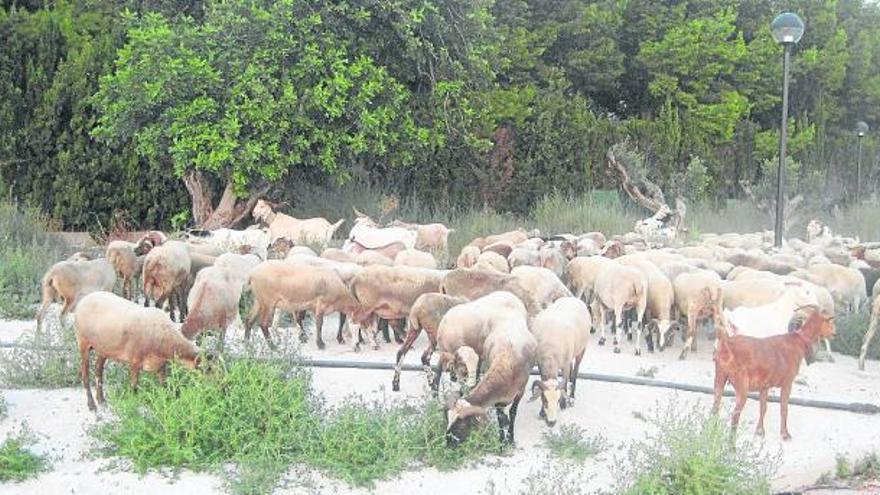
[[262, 210], [461, 418], [281, 247], [552, 397]]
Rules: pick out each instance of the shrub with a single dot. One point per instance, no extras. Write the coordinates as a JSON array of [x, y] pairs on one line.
[[851, 328], [42, 359], [690, 453], [16, 462], [26, 252], [571, 442], [262, 417]]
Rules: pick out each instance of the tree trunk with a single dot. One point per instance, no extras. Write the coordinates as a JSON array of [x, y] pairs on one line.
[[229, 212]]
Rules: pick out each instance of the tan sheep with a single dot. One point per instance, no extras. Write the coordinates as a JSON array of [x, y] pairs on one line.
[[128, 265], [512, 237], [416, 258], [673, 269], [468, 257], [389, 292], [71, 281], [166, 276], [553, 259], [698, 295], [121, 330], [369, 257], [521, 256], [661, 299], [492, 260], [298, 288], [562, 332], [620, 288], [542, 283], [846, 284], [581, 274], [473, 284], [425, 314], [335, 254]]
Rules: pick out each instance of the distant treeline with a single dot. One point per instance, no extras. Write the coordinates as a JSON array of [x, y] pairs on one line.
[[127, 108]]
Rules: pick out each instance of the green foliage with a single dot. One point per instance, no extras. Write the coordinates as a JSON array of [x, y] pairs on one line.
[[572, 443], [16, 462], [207, 421], [689, 453], [26, 252], [865, 469], [851, 328]]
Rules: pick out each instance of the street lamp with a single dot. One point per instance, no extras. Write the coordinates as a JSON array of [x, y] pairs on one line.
[[787, 29], [861, 130]]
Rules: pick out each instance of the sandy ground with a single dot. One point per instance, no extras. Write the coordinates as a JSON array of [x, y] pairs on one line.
[[60, 421]]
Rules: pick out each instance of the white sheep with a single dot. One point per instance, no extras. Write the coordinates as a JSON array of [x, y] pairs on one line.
[[697, 295], [620, 288], [772, 318]]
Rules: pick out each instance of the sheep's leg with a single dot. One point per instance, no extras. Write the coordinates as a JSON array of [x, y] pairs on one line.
[[383, 326], [374, 332], [84, 373], [251, 319], [99, 377], [784, 393], [872, 329], [512, 413], [618, 328], [442, 363], [264, 327], [404, 348], [575, 369], [397, 326], [640, 315], [503, 425], [134, 375], [692, 330], [162, 372], [760, 429], [319, 327], [300, 316], [601, 312], [339, 339]]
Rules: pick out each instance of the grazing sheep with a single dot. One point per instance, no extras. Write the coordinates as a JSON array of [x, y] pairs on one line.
[[295, 229], [71, 280], [872, 329], [588, 247], [509, 351], [562, 332], [128, 266], [468, 257], [389, 292], [425, 314], [298, 288], [121, 330], [494, 261], [213, 302], [543, 284], [472, 284], [166, 275], [414, 257], [581, 274], [431, 237], [697, 295], [620, 288]]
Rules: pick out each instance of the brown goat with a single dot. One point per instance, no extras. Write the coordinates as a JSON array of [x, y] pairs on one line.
[[752, 364]]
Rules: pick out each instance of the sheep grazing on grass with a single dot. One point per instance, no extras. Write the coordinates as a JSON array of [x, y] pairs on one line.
[[425, 314], [71, 280], [214, 299], [620, 288], [128, 265], [121, 330], [297, 288], [562, 332], [509, 351]]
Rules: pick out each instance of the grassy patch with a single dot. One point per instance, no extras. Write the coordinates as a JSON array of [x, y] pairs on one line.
[[26, 252], [17, 463], [693, 453], [572, 443], [865, 469], [44, 359], [263, 417], [851, 328]]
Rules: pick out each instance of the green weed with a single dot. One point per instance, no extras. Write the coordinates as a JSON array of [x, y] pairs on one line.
[[42, 359], [571, 442], [851, 328], [865, 469], [17, 463], [693, 453]]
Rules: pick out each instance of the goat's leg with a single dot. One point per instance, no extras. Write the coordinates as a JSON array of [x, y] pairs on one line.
[[783, 410], [84, 374], [720, 382], [760, 429], [411, 336], [742, 393], [99, 377]]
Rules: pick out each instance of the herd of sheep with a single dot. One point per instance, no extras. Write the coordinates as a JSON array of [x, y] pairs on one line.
[[512, 300]]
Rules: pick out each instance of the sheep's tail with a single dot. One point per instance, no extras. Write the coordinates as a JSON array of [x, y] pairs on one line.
[[49, 293]]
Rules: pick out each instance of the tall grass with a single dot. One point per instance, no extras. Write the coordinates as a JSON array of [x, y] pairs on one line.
[[26, 252], [693, 453], [263, 416]]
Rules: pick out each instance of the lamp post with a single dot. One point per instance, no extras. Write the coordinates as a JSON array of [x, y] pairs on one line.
[[861, 130], [787, 30]]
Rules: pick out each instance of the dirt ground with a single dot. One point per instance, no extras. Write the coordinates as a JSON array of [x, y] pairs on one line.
[[60, 421]]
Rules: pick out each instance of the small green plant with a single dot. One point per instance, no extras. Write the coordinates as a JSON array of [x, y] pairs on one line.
[[17, 463], [865, 469], [179, 220], [690, 453], [42, 359], [572, 443]]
